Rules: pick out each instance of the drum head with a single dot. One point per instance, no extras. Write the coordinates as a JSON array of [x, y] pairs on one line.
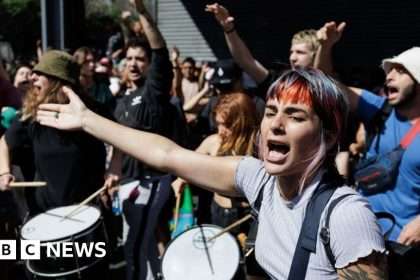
[[50, 226], [186, 256]]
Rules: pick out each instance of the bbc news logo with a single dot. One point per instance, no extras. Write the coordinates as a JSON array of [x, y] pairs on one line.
[[31, 250]]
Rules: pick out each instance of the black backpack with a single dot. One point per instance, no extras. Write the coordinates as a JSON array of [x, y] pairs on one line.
[[309, 231]]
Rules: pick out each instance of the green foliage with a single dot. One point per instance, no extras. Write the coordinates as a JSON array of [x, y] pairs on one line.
[[97, 9], [21, 24], [14, 7]]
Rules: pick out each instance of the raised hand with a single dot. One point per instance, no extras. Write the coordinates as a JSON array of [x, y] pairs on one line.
[[175, 54], [139, 5], [330, 33], [63, 116], [222, 16]]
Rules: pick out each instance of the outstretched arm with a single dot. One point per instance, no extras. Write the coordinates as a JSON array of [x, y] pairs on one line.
[[328, 36], [216, 174], [153, 34], [195, 100], [237, 47]]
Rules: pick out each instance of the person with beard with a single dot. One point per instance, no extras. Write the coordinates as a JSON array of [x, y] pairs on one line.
[[143, 104], [402, 88], [304, 53], [300, 131]]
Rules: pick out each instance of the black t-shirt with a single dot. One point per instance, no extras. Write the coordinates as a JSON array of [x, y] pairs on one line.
[[148, 108], [72, 163]]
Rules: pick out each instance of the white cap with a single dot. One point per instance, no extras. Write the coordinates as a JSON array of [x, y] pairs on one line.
[[410, 59]]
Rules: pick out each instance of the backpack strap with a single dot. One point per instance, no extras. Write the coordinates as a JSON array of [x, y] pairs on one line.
[[325, 230], [257, 204], [308, 234], [253, 229]]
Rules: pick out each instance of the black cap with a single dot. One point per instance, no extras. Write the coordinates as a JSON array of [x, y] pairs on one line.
[[226, 72]]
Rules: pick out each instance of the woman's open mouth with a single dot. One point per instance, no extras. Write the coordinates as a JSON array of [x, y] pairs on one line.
[[277, 151]]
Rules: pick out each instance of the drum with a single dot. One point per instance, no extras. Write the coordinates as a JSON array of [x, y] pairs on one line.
[[84, 228], [190, 256]]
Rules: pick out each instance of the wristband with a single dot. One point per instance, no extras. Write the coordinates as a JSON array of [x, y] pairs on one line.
[[5, 173]]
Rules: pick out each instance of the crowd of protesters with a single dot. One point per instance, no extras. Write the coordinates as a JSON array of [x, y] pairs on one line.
[[305, 140]]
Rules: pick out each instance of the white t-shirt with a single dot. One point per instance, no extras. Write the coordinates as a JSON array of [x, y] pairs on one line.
[[189, 89], [354, 232]]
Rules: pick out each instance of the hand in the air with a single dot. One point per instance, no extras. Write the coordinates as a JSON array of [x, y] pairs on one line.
[[138, 4], [330, 33], [175, 55], [63, 116], [222, 15]]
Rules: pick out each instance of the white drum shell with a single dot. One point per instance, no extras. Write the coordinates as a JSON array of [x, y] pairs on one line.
[[85, 226], [185, 257]]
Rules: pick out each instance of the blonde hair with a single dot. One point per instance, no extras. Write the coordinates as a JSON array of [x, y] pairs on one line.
[[307, 36], [53, 94], [239, 114]]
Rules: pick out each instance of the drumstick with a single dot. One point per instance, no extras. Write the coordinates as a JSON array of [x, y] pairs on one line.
[[178, 202], [235, 224], [27, 184], [60, 216], [206, 249], [249, 252], [84, 202]]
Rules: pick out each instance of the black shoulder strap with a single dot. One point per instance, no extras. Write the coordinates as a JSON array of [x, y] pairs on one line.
[[253, 229], [257, 204], [309, 231], [325, 230]]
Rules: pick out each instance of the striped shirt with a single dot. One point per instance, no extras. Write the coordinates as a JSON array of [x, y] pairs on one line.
[[353, 228]]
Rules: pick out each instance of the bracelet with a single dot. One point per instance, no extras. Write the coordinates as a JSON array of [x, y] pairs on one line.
[[5, 173], [230, 30]]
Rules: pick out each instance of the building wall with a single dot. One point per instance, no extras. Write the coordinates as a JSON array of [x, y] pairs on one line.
[[180, 30]]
